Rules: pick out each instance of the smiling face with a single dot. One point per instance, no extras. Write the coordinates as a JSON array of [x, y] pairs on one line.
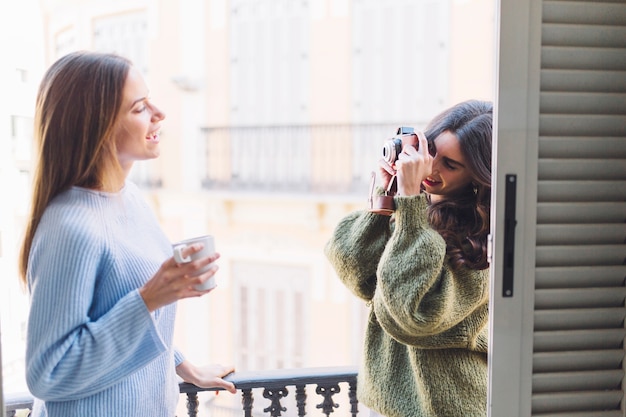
[[450, 174], [138, 123]]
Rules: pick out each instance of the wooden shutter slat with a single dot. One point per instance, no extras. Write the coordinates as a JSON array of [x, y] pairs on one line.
[[568, 34], [577, 381], [558, 79], [578, 360], [580, 297], [580, 276], [585, 103], [579, 319], [582, 255], [589, 13], [575, 401], [581, 191], [582, 212], [582, 169], [585, 125], [607, 148], [581, 234], [587, 58], [594, 413], [586, 339]]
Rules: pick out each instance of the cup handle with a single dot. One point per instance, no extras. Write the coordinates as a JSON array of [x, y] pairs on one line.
[[178, 257]]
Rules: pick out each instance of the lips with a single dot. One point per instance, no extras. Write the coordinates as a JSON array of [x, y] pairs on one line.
[[153, 137], [430, 182]]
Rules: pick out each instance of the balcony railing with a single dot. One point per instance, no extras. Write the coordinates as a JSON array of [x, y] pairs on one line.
[[330, 158], [276, 385], [308, 158]]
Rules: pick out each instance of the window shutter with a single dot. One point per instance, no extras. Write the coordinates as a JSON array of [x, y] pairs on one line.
[[581, 212]]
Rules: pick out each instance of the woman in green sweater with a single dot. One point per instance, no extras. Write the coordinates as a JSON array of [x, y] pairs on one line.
[[424, 272]]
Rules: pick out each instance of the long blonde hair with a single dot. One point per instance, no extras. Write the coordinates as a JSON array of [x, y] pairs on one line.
[[77, 106]]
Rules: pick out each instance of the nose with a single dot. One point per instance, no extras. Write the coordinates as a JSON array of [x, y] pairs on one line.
[[436, 162], [157, 114]]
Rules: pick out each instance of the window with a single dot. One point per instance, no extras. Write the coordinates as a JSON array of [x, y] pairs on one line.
[[400, 59], [125, 34], [269, 62], [271, 307]]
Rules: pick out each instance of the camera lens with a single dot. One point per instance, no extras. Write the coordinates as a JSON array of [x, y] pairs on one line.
[[391, 150]]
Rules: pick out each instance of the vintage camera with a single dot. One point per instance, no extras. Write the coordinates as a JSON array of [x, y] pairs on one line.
[[393, 147], [384, 204]]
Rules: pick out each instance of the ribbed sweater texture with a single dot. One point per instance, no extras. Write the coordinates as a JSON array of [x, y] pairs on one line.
[[93, 348], [425, 352]]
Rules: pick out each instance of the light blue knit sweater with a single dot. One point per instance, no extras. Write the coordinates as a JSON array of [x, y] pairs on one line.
[[93, 348]]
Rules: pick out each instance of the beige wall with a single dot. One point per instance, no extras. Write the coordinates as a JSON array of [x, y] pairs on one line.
[[331, 66], [472, 50]]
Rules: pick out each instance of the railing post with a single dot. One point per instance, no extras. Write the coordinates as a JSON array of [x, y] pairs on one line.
[[301, 400], [327, 391], [354, 402], [192, 404], [247, 400], [274, 395]]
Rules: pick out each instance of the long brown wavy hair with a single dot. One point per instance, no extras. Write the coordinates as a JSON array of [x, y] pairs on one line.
[[463, 221], [77, 106]]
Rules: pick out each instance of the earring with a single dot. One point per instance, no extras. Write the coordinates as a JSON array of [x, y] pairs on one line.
[[475, 189]]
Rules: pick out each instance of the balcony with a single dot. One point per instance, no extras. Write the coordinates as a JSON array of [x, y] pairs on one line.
[[296, 159], [276, 386]]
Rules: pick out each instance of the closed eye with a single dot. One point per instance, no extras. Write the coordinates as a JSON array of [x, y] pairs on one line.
[[451, 164]]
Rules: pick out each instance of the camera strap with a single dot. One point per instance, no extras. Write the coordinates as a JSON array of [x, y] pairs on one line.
[[383, 204], [392, 188]]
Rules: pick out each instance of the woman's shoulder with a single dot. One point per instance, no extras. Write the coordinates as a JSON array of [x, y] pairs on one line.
[[76, 210]]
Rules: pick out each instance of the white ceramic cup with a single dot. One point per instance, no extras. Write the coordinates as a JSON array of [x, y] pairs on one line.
[[209, 249]]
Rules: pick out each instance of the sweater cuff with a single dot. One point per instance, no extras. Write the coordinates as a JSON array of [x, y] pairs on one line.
[[411, 210], [178, 357]]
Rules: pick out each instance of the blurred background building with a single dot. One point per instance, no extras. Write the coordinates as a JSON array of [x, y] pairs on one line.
[[276, 112]]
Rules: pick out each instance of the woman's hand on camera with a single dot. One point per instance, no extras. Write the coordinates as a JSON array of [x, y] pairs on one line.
[[174, 281], [413, 166], [387, 171]]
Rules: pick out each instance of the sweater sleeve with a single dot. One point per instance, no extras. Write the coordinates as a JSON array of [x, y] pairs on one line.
[[71, 355], [355, 248], [420, 301]]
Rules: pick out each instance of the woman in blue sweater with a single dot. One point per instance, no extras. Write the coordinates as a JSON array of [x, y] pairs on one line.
[[102, 281], [424, 272]]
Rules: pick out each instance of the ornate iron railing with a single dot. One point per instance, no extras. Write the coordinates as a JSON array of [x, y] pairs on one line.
[[276, 385]]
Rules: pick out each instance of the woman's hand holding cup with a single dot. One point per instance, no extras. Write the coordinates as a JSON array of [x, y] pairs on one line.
[[189, 273]]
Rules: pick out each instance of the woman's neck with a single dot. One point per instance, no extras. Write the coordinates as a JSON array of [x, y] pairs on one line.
[[114, 181]]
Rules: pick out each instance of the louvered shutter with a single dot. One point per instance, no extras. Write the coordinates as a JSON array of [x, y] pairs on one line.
[[558, 321], [578, 347]]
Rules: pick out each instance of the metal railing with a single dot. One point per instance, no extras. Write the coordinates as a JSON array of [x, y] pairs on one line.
[[323, 158], [275, 385], [293, 158]]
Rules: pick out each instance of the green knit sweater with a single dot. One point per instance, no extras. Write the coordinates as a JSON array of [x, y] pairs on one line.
[[426, 338]]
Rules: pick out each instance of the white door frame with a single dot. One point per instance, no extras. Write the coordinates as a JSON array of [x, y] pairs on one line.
[[516, 125]]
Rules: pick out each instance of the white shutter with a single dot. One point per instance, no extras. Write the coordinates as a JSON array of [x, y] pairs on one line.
[[557, 346], [578, 347]]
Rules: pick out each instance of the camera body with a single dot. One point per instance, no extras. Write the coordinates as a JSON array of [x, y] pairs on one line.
[[393, 147], [384, 204]]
